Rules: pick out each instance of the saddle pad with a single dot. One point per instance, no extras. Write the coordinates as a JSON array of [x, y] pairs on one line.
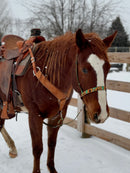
[[23, 66]]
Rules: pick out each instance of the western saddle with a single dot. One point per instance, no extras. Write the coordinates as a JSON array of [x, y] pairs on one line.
[[13, 50]]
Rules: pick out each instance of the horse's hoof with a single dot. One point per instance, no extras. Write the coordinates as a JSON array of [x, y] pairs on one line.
[[13, 154]]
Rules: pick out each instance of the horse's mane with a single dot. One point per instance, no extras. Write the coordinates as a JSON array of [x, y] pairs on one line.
[[53, 55]]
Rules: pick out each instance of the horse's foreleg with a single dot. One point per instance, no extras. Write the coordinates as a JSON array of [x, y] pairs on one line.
[[36, 123], [52, 138], [10, 143], [1, 122]]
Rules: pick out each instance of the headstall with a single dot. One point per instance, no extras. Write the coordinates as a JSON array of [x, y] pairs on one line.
[[90, 90]]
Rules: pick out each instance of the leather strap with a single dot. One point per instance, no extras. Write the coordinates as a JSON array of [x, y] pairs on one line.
[[62, 97]]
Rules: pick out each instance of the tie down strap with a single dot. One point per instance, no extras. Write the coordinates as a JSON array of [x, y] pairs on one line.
[[61, 97]]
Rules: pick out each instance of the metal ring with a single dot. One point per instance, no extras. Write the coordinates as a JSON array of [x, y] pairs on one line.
[[38, 69]]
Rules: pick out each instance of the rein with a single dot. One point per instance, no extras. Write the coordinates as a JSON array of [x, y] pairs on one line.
[[90, 90], [60, 122]]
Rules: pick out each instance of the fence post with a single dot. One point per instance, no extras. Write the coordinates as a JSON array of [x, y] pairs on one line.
[[81, 120]]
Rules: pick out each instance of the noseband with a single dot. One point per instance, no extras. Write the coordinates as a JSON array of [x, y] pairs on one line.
[[90, 90]]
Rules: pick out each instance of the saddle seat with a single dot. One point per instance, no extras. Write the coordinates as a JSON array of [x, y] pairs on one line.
[[9, 48], [10, 41]]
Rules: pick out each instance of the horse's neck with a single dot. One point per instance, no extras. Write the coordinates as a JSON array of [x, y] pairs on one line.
[[58, 68]]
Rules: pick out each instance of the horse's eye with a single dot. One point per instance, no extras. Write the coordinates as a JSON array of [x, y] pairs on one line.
[[85, 70]]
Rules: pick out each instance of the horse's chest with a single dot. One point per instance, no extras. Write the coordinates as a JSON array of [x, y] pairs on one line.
[[49, 107]]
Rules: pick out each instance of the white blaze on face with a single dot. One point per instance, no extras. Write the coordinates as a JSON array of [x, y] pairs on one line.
[[97, 65]]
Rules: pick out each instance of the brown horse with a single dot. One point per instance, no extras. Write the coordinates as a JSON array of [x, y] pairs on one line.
[[72, 61]]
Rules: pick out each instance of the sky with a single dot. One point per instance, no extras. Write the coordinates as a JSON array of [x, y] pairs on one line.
[[18, 11]]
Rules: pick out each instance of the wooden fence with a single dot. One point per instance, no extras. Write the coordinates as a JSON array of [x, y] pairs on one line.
[[87, 128]]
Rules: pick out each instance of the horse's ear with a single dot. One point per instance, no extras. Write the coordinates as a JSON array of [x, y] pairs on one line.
[[80, 39], [108, 41]]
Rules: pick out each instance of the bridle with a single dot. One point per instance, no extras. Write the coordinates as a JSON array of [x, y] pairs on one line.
[[90, 90]]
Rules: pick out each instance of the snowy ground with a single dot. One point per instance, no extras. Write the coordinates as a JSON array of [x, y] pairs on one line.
[[73, 154]]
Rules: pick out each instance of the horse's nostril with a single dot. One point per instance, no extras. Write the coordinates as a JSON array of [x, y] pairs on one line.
[[96, 116]]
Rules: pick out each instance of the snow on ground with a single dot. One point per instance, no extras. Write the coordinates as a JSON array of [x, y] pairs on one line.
[[116, 99], [119, 76], [73, 154]]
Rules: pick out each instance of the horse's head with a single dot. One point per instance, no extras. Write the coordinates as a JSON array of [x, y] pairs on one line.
[[92, 67]]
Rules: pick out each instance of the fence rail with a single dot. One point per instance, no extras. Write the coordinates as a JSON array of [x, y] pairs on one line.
[[119, 57], [114, 113], [103, 134], [119, 49], [118, 86]]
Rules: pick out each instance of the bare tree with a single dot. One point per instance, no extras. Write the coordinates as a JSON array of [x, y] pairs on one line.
[[59, 16], [5, 20], [55, 17], [101, 15], [20, 28]]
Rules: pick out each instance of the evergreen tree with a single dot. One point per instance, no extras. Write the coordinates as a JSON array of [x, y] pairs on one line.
[[121, 39], [1, 35]]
